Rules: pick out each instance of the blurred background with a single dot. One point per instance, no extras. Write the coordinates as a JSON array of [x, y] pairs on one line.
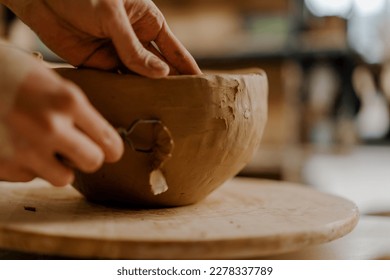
[[328, 65]]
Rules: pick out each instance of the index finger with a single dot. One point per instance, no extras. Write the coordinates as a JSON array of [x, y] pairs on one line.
[[175, 53], [95, 126], [101, 132]]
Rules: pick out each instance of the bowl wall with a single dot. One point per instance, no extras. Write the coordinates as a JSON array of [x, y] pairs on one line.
[[193, 132]]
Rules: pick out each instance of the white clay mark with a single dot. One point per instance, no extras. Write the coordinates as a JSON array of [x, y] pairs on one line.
[[158, 182], [247, 114]]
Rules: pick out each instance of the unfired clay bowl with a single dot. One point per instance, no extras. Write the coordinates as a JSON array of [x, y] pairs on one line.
[[184, 135]]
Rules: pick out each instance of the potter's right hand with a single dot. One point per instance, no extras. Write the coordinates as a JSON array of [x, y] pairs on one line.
[[106, 34], [48, 119]]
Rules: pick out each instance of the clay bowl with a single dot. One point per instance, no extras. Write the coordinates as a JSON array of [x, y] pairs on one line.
[[184, 135]]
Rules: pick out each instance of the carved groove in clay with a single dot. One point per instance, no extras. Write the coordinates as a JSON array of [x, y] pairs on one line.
[[161, 150]]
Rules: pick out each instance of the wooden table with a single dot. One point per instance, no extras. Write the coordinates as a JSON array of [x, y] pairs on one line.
[[245, 218], [368, 241]]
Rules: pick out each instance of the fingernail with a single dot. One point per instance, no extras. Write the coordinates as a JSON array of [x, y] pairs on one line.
[[113, 145], [157, 64]]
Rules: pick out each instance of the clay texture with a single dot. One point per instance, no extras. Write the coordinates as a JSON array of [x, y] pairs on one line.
[[191, 133]]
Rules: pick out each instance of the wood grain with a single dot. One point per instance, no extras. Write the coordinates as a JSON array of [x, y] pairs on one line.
[[244, 218]]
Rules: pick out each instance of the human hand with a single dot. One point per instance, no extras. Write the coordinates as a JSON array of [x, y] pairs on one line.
[[49, 119], [107, 33]]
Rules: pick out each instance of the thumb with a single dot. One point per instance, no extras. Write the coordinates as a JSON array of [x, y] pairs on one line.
[[130, 50]]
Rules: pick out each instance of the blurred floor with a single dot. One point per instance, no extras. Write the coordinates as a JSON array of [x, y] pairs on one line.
[[362, 175]]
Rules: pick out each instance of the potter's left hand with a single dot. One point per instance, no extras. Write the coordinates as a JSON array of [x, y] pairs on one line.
[[107, 33]]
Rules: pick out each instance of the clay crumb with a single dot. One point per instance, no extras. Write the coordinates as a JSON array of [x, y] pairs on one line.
[[30, 208], [247, 114], [157, 181]]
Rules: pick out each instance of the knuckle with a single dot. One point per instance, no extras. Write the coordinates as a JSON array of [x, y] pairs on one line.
[[137, 54], [137, 57], [52, 126], [65, 98], [108, 7], [157, 16], [59, 107], [71, 94]]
